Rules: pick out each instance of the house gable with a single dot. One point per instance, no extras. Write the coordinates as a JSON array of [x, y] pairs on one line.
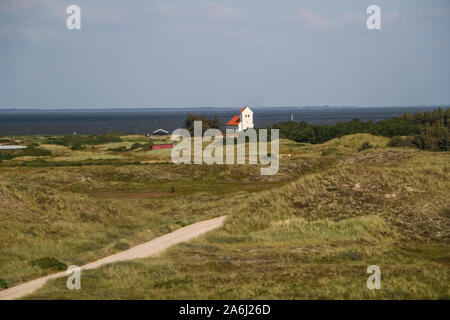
[[234, 121], [243, 121]]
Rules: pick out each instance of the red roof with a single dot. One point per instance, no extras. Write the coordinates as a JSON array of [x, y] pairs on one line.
[[162, 146], [234, 121], [243, 109]]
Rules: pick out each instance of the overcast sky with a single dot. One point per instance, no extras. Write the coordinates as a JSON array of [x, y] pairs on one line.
[[223, 53]]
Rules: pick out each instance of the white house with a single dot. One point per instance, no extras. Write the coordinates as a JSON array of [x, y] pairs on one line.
[[160, 132], [241, 122]]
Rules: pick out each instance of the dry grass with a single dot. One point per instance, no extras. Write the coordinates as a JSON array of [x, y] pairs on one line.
[[307, 233]]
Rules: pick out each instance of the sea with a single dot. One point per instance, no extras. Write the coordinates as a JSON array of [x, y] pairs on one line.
[[147, 120]]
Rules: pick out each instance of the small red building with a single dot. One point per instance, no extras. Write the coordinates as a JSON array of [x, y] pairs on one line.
[[162, 146]]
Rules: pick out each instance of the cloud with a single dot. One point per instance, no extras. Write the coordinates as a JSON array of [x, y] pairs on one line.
[[35, 8], [15, 6], [166, 9], [314, 21], [206, 19], [215, 12], [30, 19], [211, 12], [106, 15], [37, 20]]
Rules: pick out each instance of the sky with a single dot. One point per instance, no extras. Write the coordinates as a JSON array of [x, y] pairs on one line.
[[163, 53]]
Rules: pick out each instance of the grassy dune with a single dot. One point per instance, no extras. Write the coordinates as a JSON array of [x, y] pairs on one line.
[[77, 213], [309, 232]]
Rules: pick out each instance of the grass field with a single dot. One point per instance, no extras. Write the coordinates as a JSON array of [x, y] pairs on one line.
[[308, 232]]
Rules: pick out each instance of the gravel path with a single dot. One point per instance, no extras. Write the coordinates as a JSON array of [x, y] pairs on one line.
[[141, 251]]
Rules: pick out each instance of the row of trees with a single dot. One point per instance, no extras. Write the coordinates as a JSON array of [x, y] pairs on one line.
[[435, 137], [424, 130], [207, 123]]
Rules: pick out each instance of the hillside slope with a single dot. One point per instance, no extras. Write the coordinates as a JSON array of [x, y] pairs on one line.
[[311, 239]]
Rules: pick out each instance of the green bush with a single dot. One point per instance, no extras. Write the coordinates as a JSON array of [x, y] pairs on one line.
[[236, 140], [31, 151], [433, 123], [435, 137], [398, 141], [83, 140], [135, 146], [147, 146], [206, 122], [40, 163], [328, 151], [3, 283], [181, 223], [77, 146], [366, 145], [48, 263], [33, 145], [118, 149], [122, 246], [36, 152]]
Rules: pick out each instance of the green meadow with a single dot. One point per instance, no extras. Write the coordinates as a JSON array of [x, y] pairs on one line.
[[308, 232]]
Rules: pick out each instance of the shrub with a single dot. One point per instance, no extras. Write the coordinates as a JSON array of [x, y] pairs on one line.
[[136, 145], [435, 137], [118, 149], [181, 223], [328, 151], [48, 263], [147, 146], [122, 246], [83, 140], [366, 145], [33, 145], [398, 141], [3, 283], [77, 146], [434, 123], [206, 122], [426, 142], [36, 152], [31, 151]]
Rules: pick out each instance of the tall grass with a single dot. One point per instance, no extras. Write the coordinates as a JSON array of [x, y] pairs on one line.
[[310, 232]]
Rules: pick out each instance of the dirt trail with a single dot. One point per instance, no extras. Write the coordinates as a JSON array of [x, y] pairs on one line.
[[141, 251]]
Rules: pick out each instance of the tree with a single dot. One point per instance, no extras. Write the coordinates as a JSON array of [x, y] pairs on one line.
[[424, 130], [206, 122]]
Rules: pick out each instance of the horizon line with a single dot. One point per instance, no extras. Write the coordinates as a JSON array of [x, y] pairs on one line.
[[215, 107]]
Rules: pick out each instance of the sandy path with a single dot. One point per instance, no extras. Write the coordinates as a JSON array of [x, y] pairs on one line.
[[141, 251]]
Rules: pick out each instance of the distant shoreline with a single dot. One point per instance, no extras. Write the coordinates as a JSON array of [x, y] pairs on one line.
[[84, 109], [147, 120]]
